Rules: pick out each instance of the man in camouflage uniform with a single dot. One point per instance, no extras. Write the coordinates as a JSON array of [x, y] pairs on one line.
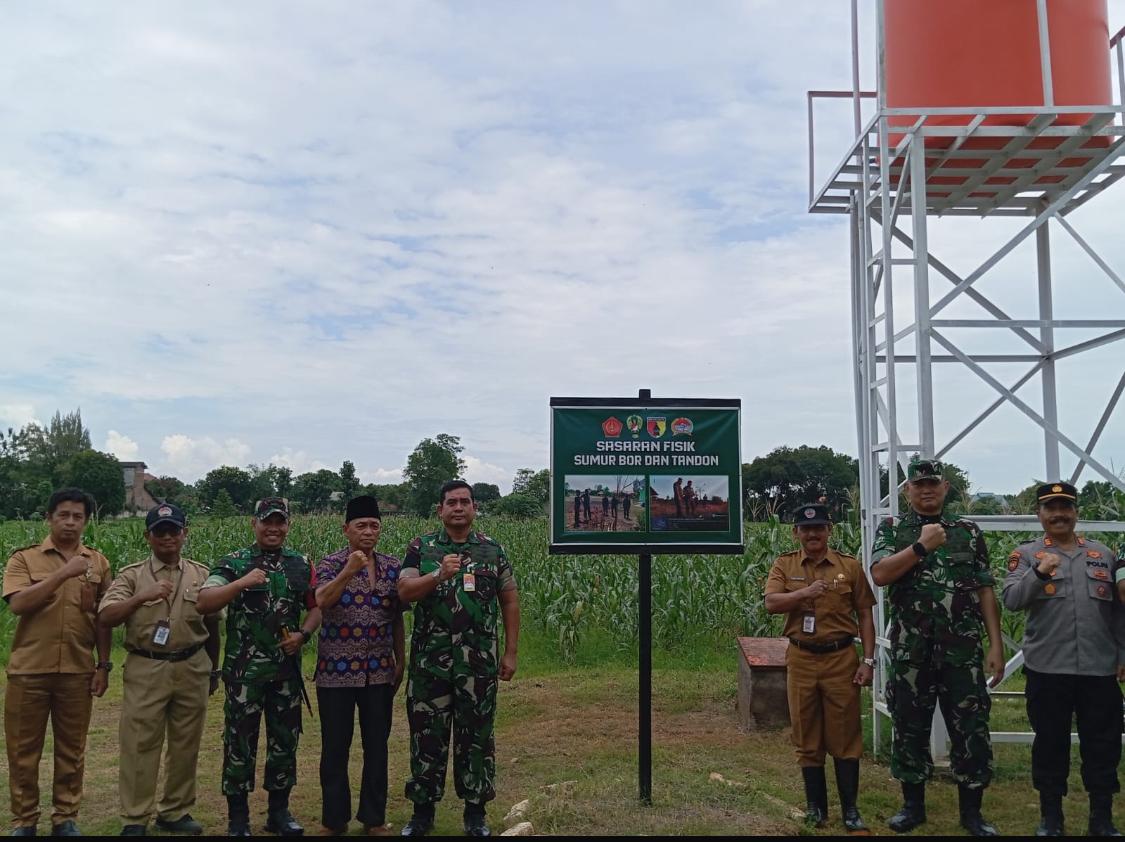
[[461, 582], [265, 585], [940, 587]]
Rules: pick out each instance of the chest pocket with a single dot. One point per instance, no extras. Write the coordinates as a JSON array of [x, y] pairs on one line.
[[962, 571], [1058, 586], [88, 598], [486, 582], [1099, 583], [840, 595]]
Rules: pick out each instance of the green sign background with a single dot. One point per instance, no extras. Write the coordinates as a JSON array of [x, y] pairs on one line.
[[638, 451]]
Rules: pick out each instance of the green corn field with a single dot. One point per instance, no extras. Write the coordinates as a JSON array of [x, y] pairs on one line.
[[697, 600]]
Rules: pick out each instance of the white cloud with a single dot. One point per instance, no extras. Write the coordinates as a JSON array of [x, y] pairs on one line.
[[190, 458], [17, 415], [327, 236], [382, 476], [477, 470], [121, 446]]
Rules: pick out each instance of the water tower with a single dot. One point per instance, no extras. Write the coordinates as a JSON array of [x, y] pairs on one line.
[[1003, 111]]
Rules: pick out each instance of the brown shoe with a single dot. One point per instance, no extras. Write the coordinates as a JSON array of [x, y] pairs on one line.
[[330, 831], [379, 829]]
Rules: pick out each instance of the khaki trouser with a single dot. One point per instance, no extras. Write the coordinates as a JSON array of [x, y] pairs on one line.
[[824, 705], [64, 698], [161, 698]]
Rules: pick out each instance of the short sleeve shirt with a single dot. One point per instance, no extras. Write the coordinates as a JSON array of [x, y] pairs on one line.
[[258, 617], [59, 637], [186, 626], [835, 610], [356, 645]]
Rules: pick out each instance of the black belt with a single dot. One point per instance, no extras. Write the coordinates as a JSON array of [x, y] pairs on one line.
[[178, 655], [823, 648]]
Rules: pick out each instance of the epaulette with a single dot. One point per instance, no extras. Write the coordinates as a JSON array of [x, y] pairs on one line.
[[28, 547], [244, 553], [787, 555], [286, 551], [1032, 541], [198, 564], [130, 567]]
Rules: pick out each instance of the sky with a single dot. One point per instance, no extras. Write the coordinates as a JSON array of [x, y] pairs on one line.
[[302, 233]]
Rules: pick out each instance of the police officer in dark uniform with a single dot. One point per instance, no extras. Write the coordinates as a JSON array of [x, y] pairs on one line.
[[1071, 645]]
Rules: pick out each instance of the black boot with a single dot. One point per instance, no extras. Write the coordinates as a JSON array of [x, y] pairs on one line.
[[913, 812], [238, 815], [847, 785], [1051, 813], [475, 824], [971, 819], [422, 822], [279, 820], [1101, 815], [816, 795]]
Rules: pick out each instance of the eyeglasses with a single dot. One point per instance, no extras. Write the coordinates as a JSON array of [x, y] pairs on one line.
[[165, 530]]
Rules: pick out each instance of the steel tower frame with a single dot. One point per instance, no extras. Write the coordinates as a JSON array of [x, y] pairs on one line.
[[877, 180]]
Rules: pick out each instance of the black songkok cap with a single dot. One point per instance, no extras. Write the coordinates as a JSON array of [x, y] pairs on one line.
[[363, 506]]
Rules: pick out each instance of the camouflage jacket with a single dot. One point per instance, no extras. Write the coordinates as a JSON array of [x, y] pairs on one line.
[[257, 616], [451, 615], [937, 599]]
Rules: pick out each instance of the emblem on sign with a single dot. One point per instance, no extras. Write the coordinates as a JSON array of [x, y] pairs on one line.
[[611, 427], [634, 423], [682, 427], [657, 426]]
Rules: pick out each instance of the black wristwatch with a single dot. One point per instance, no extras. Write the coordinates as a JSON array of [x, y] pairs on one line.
[[919, 549], [104, 665], [305, 637]]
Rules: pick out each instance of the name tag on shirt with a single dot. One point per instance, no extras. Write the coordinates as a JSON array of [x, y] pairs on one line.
[[469, 582]]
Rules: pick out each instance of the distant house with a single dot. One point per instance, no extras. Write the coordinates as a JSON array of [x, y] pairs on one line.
[[137, 498]]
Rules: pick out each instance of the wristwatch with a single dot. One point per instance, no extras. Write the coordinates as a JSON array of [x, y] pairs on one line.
[[305, 636], [870, 662], [919, 549], [104, 665], [437, 573]]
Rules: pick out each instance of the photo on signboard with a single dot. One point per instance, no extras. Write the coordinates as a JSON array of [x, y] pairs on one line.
[[604, 503], [689, 503]]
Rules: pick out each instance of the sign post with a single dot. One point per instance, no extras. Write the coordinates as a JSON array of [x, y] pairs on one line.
[[644, 476]]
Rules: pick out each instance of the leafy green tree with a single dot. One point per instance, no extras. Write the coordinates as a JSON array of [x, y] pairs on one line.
[[313, 490], [788, 477], [349, 482], [166, 489], [223, 505], [391, 494], [238, 484], [433, 462], [485, 492], [536, 484], [98, 474], [518, 504]]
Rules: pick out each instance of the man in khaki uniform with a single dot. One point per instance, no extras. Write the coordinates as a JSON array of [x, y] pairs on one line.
[[828, 601], [171, 668], [53, 588]]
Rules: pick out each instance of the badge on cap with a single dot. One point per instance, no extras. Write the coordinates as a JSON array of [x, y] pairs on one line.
[[163, 511], [1056, 489], [810, 514]]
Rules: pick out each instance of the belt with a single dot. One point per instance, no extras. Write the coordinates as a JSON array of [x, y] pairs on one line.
[[178, 655], [823, 648]]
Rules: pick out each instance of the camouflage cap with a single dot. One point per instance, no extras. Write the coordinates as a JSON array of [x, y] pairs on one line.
[[922, 468], [271, 506]]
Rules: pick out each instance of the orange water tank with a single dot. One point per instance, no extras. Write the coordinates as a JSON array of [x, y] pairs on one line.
[[980, 53]]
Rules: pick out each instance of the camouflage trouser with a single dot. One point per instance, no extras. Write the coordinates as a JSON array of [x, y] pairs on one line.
[[280, 701], [955, 679], [442, 692]]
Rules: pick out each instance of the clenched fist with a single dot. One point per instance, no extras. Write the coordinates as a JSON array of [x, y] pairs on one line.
[[816, 589], [1049, 564], [254, 578], [161, 590], [933, 536], [356, 561]]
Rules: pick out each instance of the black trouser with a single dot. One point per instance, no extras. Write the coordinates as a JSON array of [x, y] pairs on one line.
[[1052, 702], [337, 723]]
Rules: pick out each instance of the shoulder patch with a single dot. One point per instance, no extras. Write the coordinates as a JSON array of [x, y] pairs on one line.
[[487, 540], [1013, 561], [198, 564]]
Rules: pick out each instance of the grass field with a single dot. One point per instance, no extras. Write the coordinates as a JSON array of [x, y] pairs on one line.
[[570, 714]]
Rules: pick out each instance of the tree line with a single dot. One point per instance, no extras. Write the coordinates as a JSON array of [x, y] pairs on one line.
[[39, 458]]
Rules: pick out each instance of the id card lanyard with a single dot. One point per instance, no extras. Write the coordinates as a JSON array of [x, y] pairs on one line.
[[163, 629], [469, 577]]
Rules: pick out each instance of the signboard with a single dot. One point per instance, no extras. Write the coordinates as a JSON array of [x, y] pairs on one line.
[[645, 475]]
